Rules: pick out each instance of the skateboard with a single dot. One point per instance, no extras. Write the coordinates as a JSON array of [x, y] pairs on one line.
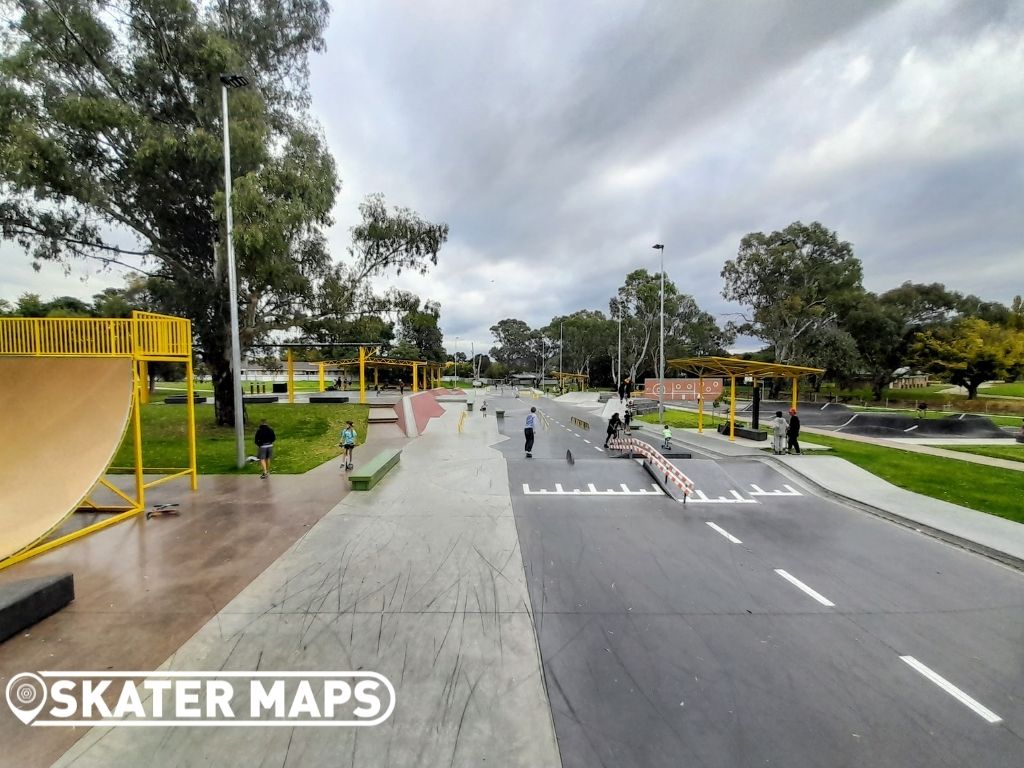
[[162, 509]]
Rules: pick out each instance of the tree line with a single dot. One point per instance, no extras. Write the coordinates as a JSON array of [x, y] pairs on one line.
[[590, 338], [801, 292]]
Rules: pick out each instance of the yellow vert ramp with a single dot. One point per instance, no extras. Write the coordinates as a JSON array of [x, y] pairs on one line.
[[64, 419], [68, 388]]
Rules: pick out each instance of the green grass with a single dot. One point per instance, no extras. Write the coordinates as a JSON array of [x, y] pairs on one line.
[[307, 436], [1013, 452], [684, 419], [1010, 390], [987, 489]]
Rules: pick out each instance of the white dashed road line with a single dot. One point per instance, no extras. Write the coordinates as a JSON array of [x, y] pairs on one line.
[[725, 533], [953, 691], [599, 449], [586, 441], [800, 585]]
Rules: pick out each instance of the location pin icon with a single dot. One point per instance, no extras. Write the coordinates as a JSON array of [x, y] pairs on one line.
[[26, 695]]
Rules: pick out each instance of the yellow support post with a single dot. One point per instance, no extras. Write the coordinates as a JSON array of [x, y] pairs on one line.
[[323, 387], [362, 375], [376, 382], [793, 404], [732, 409], [191, 409], [140, 485], [291, 377], [700, 405], [144, 374], [415, 378]]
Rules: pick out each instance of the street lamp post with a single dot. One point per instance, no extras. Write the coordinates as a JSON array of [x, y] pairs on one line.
[[661, 355], [455, 357], [233, 81], [618, 375], [561, 370]]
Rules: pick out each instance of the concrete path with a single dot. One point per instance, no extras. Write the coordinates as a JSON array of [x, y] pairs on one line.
[[421, 580], [845, 479]]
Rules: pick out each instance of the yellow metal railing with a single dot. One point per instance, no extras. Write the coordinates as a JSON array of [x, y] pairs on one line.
[[144, 335]]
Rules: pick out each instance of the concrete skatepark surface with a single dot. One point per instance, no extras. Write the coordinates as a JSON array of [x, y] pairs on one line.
[[63, 423], [514, 600]]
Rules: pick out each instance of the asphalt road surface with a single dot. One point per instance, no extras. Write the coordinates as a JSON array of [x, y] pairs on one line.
[[756, 625]]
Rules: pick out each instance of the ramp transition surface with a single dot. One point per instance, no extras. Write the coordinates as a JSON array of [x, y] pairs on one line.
[[64, 420]]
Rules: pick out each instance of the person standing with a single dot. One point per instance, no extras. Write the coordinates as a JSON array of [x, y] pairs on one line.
[[614, 423], [793, 433], [778, 433], [264, 438], [348, 443], [627, 419], [531, 426]]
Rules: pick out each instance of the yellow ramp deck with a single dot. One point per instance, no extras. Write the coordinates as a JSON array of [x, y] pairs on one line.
[[63, 421]]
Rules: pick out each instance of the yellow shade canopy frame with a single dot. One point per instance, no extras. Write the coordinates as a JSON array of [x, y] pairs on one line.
[[731, 367], [424, 374]]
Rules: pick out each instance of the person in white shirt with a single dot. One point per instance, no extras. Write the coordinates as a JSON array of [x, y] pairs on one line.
[[531, 426]]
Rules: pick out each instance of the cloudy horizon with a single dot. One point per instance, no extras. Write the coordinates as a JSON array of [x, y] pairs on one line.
[[560, 141]]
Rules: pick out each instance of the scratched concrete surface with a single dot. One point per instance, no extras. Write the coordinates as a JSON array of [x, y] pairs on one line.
[[421, 580]]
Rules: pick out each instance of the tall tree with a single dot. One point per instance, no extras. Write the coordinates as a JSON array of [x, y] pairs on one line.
[[970, 352], [419, 332], [588, 339], [110, 150], [793, 283], [513, 347]]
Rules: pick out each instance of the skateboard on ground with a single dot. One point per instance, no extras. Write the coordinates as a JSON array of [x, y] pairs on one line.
[[163, 509]]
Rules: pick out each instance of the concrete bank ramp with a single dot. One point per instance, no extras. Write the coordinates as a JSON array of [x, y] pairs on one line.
[[63, 421], [895, 425], [578, 398]]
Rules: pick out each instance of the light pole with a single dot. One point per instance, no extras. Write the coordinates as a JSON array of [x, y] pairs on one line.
[[233, 81], [661, 355], [455, 357], [618, 375], [561, 370]]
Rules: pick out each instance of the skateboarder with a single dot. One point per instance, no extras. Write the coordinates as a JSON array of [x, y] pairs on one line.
[[531, 425], [264, 438], [627, 419], [778, 433], [793, 433], [348, 442], [666, 439], [613, 428]]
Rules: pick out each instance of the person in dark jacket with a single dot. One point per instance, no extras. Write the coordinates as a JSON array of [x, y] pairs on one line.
[[614, 424], [793, 432], [265, 446]]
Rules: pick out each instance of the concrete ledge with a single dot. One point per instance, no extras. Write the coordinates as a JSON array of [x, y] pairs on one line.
[[252, 399], [374, 470], [182, 399], [744, 432], [324, 398], [25, 602]]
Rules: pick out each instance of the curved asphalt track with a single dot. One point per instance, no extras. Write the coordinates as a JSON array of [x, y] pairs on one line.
[[666, 641]]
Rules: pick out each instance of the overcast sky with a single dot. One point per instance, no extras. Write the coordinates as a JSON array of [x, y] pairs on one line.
[[560, 140]]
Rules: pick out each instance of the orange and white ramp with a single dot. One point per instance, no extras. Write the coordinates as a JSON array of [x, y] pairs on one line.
[[63, 420]]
